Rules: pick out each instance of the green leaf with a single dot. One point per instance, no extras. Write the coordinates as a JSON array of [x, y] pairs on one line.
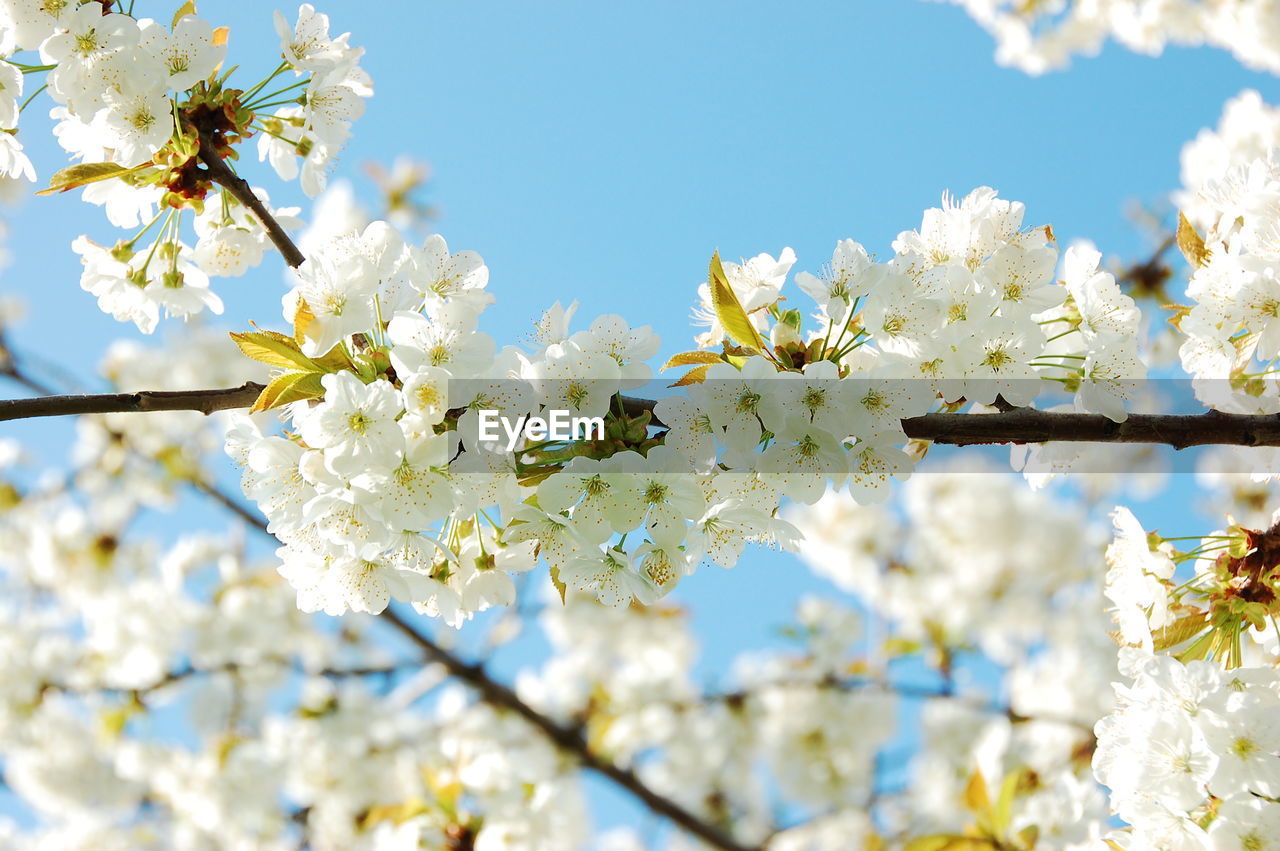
[[791, 318], [290, 387], [729, 310], [74, 176], [274, 349], [187, 8], [692, 359], [113, 721]]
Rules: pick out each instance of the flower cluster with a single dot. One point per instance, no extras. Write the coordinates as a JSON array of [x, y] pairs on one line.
[[143, 108], [1248, 129], [1226, 610], [1192, 754], [1232, 327], [1038, 37]]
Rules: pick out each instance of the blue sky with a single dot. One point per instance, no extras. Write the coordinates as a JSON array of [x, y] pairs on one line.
[[602, 151]]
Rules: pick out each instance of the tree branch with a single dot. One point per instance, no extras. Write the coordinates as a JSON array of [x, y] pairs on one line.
[[204, 401], [1027, 425], [567, 738], [222, 175], [1019, 425]]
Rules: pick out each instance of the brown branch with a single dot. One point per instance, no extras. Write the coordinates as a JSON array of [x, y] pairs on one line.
[[568, 738], [204, 401], [1027, 425], [222, 174], [1018, 425]]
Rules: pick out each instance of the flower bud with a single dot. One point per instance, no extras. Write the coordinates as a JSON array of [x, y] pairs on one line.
[[783, 336]]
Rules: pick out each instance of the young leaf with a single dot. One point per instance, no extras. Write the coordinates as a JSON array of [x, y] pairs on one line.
[[302, 319], [334, 360], [560, 587], [975, 794], [274, 349], [1004, 804], [82, 174], [290, 387], [1183, 629], [693, 376], [1191, 243], [950, 842], [187, 8], [691, 359], [729, 310]]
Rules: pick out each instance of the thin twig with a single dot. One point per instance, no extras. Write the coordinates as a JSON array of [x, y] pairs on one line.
[[236, 507], [884, 685], [204, 401], [222, 174], [187, 672], [567, 738]]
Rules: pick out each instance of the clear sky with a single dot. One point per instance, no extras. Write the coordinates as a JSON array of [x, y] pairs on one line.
[[601, 151]]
